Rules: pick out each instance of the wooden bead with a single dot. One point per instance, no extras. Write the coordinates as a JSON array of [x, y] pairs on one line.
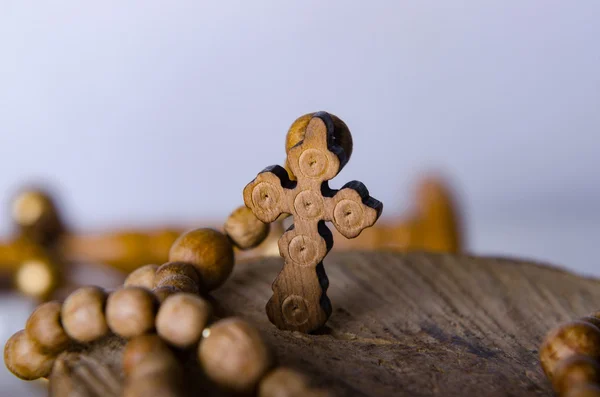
[[244, 229], [139, 347], [82, 314], [152, 386], [234, 355], [574, 371], [209, 251], [131, 311], [180, 283], [341, 134], [36, 215], [172, 269], [24, 358], [142, 277], [283, 382], [588, 390], [164, 292], [44, 328], [181, 319], [576, 337]]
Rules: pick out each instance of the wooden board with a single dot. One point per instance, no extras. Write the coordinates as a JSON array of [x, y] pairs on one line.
[[402, 325]]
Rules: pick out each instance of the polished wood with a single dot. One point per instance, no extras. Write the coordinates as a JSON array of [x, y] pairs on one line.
[[299, 300]]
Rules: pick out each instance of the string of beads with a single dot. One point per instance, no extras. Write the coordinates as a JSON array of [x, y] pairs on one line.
[[570, 357], [160, 311]]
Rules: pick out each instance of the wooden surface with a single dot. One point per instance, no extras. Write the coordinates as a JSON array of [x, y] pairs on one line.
[[402, 325], [300, 301]]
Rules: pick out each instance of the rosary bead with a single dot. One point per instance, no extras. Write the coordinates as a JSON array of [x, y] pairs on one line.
[[283, 382], [576, 337], [244, 229], [297, 131], [164, 292], [82, 314], [588, 390], [44, 328], [180, 283], [173, 269], [234, 355], [130, 311], [142, 277], [574, 371], [24, 358], [139, 347], [181, 319], [209, 251]]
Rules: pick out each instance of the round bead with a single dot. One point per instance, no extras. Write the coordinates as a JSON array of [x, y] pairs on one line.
[[142, 277], [24, 358], [44, 327], [181, 283], [573, 371], [139, 347], [37, 277], [151, 386], [164, 292], [172, 269], [130, 311], [283, 382], [244, 229], [576, 337], [341, 134], [588, 390], [233, 355], [36, 214], [209, 251], [181, 319], [82, 314]]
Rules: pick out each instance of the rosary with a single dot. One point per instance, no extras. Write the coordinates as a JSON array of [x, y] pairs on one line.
[[162, 310]]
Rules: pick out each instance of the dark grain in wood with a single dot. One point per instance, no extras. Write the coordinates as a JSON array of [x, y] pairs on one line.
[[406, 325]]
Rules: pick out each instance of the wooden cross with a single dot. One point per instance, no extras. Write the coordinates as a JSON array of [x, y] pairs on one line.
[[299, 300]]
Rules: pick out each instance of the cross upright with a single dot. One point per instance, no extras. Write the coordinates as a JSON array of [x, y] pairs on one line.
[[299, 301]]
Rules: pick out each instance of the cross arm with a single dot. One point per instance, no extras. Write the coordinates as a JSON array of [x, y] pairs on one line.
[[351, 209], [266, 194]]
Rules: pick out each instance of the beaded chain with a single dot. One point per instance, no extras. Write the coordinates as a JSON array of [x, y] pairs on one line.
[[160, 311], [570, 357]]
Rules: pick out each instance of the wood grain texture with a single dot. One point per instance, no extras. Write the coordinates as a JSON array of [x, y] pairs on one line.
[[300, 301], [402, 325]]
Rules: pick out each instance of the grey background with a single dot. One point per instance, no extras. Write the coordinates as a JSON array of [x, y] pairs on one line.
[[146, 112]]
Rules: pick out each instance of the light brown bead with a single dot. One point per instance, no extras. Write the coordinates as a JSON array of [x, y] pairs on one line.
[[341, 134], [173, 269], [574, 371], [131, 311], [576, 337], [24, 358], [209, 251], [152, 386], [36, 215], [283, 382], [181, 319], [244, 229], [139, 347], [181, 283], [44, 328], [588, 390], [142, 277], [82, 314], [163, 293], [234, 355]]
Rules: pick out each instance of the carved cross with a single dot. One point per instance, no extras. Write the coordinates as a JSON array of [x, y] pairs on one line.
[[299, 300]]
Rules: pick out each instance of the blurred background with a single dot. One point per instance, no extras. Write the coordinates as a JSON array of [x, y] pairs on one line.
[[138, 114]]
